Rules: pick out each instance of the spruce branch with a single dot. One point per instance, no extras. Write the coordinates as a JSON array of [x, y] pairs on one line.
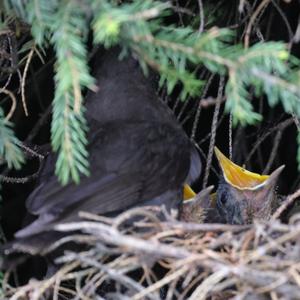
[[175, 52], [64, 25], [10, 153], [40, 14], [170, 50], [68, 129]]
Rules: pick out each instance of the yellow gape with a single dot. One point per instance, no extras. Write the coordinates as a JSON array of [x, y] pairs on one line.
[[238, 176], [188, 193]]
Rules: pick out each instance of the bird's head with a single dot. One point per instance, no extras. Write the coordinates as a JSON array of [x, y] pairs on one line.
[[195, 206], [243, 195]]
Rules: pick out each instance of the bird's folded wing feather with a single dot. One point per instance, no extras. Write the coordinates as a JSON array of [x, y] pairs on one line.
[[125, 160]]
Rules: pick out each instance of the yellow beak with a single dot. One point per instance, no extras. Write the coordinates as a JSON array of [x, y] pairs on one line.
[[237, 176], [188, 193]]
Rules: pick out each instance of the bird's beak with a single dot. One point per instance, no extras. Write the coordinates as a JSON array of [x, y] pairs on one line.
[[198, 198], [188, 193], [274, 176], [242, 179]]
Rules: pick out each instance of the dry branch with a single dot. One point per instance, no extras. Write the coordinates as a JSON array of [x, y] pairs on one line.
[[175, 260]]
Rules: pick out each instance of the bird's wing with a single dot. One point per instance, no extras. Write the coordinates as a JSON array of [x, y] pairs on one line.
[[114, 194], [130, 164]]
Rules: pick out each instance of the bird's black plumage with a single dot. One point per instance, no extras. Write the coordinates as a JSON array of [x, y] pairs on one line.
[[139, 155]]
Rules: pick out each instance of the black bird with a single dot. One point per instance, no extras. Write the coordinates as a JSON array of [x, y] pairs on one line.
[[139, 155]]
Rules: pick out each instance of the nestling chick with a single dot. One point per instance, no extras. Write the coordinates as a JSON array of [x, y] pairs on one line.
[[243, 196], [196, 206]]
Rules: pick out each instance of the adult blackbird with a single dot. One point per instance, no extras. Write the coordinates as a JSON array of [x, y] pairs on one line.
[[139, 155]]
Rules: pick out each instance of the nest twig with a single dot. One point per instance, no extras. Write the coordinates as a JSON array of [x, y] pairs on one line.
[[152, 259]]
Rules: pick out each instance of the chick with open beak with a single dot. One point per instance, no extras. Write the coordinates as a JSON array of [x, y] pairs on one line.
[[243, 195]]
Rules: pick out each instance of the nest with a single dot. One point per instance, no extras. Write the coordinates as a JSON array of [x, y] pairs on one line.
[[138, 256]]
